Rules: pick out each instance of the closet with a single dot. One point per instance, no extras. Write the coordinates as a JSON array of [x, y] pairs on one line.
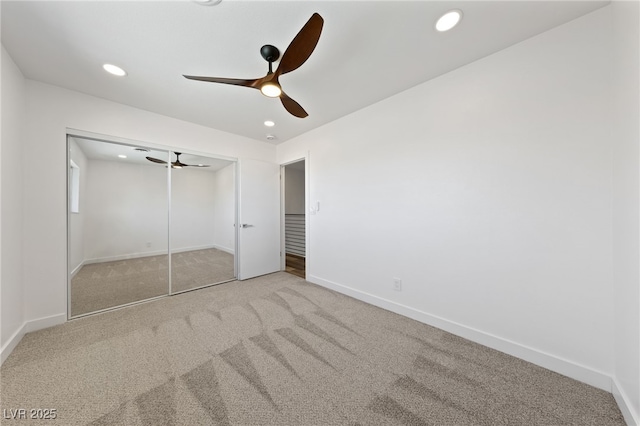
[[145, 223]]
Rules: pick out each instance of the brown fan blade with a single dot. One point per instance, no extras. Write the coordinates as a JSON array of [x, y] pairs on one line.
[[301, 46], [155, 160], [292, 106], [234, 81], [175, 165], [179, 163]]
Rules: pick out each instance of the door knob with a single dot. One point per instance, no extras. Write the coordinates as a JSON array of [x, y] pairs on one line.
[[246, 225]]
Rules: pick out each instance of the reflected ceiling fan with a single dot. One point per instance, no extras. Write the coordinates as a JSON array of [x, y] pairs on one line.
[[176, 164], [296, 54]]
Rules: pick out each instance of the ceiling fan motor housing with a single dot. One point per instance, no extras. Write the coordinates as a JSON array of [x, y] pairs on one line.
[[270, 53]]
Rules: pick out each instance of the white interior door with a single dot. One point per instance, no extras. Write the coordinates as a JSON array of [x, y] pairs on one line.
[[259, 219]]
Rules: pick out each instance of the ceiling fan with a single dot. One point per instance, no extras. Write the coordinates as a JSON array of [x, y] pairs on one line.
[[176, 164], [296, 54]]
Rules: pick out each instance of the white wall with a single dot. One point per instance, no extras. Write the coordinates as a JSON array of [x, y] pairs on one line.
[[193, 208], [125, 211], [126, 208], [626, 211], [12, 300], [294, 191], [50, 111], [77, 220], [224, 232], [488, 192]]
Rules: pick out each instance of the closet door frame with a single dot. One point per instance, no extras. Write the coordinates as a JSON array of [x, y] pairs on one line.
[[75, 133]]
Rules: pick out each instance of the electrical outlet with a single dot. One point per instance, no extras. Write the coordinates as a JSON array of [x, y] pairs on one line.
[[397, 284], [148, 243]]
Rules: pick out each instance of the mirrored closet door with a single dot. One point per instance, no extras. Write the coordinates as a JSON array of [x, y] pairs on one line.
[[202, 222], [118, 244], [139, 229]]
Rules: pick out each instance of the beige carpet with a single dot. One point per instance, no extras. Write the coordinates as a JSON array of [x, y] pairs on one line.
[[104, 285], [277, 350]]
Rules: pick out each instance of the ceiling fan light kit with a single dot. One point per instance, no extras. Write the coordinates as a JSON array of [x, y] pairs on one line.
[[271, 90], [299, 50]]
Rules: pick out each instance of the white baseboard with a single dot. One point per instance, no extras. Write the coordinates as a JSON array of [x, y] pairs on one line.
[[224, 249], [11, 344], [631, 417], [151, 253], [123, 257], [77, 269], [46, 322], [27, 327], [562, 366]]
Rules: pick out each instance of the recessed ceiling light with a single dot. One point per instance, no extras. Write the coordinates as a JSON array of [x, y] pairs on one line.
[[115, 70], [269, 123], [449, 20], [208, 2], [122, 156]]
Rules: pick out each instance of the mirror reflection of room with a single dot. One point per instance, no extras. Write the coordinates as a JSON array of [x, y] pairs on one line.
[[119, 224], [118, 247], [202, 222]]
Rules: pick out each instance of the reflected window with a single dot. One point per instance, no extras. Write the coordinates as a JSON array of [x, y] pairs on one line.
[[74, 188]]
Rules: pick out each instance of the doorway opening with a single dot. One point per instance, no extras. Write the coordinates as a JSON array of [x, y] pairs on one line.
[[294, 212]]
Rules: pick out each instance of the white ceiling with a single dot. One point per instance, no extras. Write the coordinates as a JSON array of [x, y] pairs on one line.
[[109, 151], [368, 51]]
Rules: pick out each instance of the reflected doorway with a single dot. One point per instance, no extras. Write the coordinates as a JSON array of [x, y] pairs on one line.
[[294, 218], [145, 223]]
